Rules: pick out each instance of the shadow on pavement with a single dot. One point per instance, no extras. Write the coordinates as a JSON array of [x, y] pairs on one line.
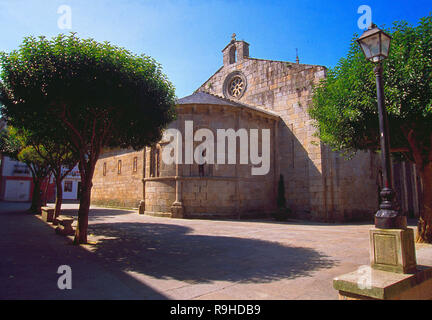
[[98, 213], [32, 253], [167, 251]]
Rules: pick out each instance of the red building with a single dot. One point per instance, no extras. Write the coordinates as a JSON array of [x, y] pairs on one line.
[[16, 183]]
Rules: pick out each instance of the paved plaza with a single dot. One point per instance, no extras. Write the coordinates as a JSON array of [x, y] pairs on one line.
[[133, 256]]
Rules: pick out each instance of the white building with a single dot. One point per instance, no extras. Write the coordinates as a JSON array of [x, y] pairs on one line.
[[71, 184]]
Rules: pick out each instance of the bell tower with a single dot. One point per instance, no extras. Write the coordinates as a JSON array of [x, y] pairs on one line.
[[235, 51]]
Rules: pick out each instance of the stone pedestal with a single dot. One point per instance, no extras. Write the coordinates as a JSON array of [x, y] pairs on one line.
[[65, 226], [393, 273], [177, 210], [393, 250], [47, 214], [368, 283]]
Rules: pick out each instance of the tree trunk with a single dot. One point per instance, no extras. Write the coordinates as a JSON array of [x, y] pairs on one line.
[[59, 197], [36, 197], [82, 226], [86, 171], [45, 192], [424, 234]]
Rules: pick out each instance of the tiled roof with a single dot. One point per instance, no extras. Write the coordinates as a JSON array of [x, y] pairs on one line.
[[200, 97], [205, 98]]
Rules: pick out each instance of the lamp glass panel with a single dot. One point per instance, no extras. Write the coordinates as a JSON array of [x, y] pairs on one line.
[[385, 43], [371, 46]]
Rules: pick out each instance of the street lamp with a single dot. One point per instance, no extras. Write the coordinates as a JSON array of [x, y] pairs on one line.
[[392, 247], [375, 45]]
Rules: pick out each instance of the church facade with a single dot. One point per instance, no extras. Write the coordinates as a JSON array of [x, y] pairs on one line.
[[250, 97]]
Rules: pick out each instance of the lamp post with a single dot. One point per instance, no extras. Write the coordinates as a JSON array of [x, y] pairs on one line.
[[392, 248], [375, 45]]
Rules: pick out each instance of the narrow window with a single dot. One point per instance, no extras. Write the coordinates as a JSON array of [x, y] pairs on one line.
[[104, 169], [232, 55], [152, 161], [158, 161], [119, 165], [135, 164]]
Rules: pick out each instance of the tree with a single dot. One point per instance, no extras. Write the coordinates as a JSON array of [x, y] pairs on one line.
[[345, 107], [39, 169], [13, 145], [56, 152], [95, 94], [61, 161]]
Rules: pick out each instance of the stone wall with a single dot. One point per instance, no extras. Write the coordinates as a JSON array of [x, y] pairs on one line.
[[351, 186], [318, 182], [159, 196], [286, 89], [114, 188], [220, 190]]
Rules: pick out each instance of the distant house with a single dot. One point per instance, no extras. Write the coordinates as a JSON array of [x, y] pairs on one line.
[[72, 185], [16, 182]]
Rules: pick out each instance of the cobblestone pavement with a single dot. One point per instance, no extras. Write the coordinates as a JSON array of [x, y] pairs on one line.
[[142, 257]]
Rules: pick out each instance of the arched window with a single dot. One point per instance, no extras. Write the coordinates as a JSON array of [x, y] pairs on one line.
[[155, 159], [232, 55]]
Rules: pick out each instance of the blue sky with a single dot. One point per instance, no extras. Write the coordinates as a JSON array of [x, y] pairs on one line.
[[187, 37]]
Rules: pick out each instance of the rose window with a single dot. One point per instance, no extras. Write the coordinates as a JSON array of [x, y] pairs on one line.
[[236, 87]]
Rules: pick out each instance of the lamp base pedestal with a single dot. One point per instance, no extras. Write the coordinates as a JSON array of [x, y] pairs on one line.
[[393, 273], [371, 284], [393, 250]]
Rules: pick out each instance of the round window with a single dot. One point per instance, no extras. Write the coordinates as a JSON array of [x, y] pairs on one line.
[[235, 85]]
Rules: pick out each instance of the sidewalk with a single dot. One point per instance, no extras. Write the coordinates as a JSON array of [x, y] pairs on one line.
[[31, 254], [144, 257]]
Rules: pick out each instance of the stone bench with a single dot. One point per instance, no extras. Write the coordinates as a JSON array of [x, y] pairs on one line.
[[65, 225], [47, 214]]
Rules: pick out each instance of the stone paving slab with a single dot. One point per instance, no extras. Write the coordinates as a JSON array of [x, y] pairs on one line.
[[144, 257]]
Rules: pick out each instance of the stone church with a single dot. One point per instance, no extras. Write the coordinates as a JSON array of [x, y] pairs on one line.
[[249, 93]]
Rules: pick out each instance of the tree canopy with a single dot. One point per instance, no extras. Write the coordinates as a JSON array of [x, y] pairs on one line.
[[102, 93], [88, 95], [345, 105]]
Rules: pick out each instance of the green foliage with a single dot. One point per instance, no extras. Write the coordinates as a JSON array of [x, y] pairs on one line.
[[95, 92], [85, 95], [345, 107], [15, 144], [30, 156], [10, 144]]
